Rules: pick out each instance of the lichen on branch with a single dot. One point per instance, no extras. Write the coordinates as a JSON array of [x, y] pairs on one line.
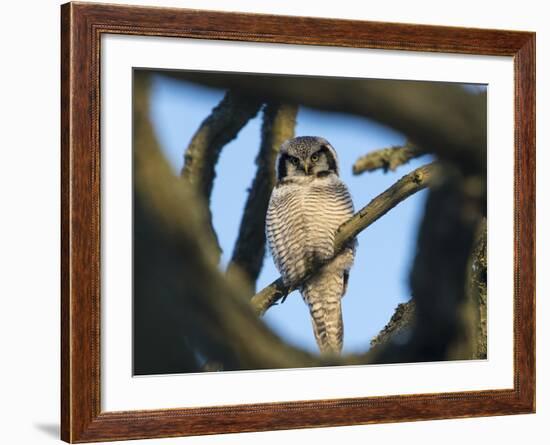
[[386, 158]]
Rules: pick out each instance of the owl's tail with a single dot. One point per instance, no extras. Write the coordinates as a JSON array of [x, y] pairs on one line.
[[323, 293]]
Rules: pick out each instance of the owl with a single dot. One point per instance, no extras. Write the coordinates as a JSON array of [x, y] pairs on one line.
[[307, 205]]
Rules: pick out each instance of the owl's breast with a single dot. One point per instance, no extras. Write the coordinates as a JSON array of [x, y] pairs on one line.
[[302, 221], [327, 205]]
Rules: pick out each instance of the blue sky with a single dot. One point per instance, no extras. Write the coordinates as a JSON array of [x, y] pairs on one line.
[[379, 278]]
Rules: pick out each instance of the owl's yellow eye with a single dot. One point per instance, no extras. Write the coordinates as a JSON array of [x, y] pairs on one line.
[[295, 161], [314, 157]]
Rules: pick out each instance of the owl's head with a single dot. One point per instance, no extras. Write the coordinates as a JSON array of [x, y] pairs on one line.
[[306, 156]]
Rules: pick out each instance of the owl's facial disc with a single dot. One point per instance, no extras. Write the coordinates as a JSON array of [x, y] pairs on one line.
[[306, 156], [322, 162]]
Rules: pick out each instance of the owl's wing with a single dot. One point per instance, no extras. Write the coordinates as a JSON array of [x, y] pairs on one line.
[[286, 234]]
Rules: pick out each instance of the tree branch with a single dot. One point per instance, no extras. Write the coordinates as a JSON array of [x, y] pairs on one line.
[[224, 330], [227, 330], [442, 118], [409, 184], [387, 158], [474, 312], [278, 125], [399, 327], [188, 282], [439, 276], [217, 130], [203, 152]]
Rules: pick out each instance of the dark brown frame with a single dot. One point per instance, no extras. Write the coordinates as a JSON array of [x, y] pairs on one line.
[[81, 27]]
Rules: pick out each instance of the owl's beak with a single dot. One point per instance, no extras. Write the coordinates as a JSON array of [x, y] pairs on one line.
[[306, 168]]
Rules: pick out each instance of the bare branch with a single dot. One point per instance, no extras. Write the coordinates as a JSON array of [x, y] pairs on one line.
[[217, 130], [444, 229], [399, 328], [278, 125], [409, 184], [439, 275], [188, 283], [442, 118], [203, 152], [225, 330], [476, 307], [473, 312], [387, 158]]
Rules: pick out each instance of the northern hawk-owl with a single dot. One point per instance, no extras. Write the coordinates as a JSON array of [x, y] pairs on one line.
[[307, 205]]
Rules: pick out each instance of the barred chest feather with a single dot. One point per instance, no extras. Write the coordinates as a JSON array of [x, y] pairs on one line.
[[301, 222]]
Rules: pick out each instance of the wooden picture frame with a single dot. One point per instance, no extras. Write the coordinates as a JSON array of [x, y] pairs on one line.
[[82, 25]]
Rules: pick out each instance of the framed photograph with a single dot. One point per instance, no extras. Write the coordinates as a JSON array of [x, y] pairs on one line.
[[274, 222]]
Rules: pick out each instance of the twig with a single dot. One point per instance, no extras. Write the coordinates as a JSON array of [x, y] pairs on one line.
[[387, 158]]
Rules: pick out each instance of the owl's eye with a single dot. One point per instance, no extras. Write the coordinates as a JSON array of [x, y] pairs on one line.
[[295, 161], [314, 157]]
